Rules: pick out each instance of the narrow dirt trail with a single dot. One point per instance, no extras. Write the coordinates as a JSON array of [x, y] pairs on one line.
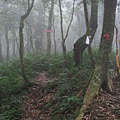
[[104, 107], [36, 99]]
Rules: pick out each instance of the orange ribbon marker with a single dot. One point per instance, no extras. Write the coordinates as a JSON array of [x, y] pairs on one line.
[[117, 62]]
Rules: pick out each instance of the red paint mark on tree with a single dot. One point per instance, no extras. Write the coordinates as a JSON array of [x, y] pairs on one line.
[[106, 36], [46, 31]]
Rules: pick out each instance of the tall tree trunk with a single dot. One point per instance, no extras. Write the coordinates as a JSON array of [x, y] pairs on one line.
[[30, 6], [93, 18], [22, 50], [39, 29], [6, 24], [1, 59], [78, 22], [54, 35], [29, 38], [100, 74], [78, 46], [14, 46], [50, 22], [14, 40], [7, 40]]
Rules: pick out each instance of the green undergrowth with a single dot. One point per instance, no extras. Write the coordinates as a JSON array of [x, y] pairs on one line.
[[11, 80], [67, 82], [11, 108], [70, 84], [12, 84]]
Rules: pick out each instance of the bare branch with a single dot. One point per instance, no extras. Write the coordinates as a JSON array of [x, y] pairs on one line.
[[64, 38], [28, 3], [30, 6], [61, 21], [86, 17], [70, 21]]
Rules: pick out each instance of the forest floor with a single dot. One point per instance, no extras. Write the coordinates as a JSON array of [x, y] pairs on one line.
[[105, 107]]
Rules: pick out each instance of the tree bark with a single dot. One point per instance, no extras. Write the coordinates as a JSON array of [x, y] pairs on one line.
[[79, 47], [15, 42], [100, 74], [14, 47], [28, 38], [21, 51], [6, 25], [1, 59], [6, 38], [50, 21], [89, 32], [78, 22], [29, 32], [39, 29], [54, 35]]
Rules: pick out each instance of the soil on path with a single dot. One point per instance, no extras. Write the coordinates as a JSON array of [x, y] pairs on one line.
[[104, 107], [36, 100]]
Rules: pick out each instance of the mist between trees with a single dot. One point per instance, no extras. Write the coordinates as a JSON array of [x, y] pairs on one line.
[[42, 28]]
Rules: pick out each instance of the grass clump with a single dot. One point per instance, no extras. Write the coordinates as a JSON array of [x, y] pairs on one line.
[[68, 83]]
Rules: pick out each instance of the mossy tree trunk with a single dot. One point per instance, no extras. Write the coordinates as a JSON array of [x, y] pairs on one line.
[[21, 50], [100, 74], [30, 45], [78, 46]]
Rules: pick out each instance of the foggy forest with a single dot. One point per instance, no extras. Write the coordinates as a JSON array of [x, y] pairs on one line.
[[59, 60]]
